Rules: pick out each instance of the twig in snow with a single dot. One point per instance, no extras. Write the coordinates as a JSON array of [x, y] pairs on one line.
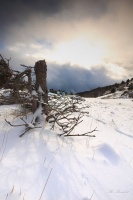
[[13, 124], [45, 184], [83, 134], [27, 125]]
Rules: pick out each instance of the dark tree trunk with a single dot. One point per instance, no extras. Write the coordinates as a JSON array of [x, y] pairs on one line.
[[41, 84], [29, 82]]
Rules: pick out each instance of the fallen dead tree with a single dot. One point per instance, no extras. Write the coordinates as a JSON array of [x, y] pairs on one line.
[[63, 111]]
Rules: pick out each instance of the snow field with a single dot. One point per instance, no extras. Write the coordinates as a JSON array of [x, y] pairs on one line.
[[42, 165]]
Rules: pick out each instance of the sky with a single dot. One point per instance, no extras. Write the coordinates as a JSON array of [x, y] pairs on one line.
[[85, 43]]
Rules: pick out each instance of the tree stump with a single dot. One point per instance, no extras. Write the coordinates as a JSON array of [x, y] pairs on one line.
[[41, 83]]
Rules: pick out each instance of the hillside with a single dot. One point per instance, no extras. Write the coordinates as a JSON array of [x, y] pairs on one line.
[[125, 90]]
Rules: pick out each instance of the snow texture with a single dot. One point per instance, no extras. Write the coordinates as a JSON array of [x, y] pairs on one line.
[[40, 90], [44, 166]]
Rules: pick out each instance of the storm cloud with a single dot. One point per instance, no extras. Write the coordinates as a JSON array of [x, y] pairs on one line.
[[76, 79]]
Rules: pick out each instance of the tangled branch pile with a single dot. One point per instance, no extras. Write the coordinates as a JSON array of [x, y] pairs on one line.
[[67, 112]]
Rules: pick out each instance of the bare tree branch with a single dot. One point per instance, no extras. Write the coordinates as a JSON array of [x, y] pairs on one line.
[[14, 124], [26, 66]]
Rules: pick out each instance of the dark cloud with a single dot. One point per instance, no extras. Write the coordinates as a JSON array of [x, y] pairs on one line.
[[19, 11], [31, 30], [76, 79]]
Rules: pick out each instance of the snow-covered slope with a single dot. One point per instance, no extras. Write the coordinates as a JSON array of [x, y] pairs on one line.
[[44, 166], [118, 90], [116, 95]]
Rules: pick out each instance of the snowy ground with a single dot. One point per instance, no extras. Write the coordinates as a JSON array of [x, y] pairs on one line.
[[43, 166]]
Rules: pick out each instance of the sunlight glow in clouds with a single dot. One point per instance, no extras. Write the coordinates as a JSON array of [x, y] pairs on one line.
[[79, 52], [116, 72]]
